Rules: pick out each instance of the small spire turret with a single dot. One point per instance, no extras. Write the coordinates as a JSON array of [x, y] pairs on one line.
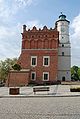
[[24, 28]]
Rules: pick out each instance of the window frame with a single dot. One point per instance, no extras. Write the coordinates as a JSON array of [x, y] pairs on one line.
[[48, 76], [31, 61], [48, 61], [31, 76]]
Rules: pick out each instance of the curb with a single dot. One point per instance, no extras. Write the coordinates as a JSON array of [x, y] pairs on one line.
[[37, 96]]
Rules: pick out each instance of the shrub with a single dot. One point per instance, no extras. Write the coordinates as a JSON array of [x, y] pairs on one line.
[[16, 67], [75, 89]]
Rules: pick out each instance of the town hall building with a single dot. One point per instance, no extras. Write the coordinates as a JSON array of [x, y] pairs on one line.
[[45, 55]]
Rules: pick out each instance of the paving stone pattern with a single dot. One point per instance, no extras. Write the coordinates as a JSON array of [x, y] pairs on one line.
[[40, 108]]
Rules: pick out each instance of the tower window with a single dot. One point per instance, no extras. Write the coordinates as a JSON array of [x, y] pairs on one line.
[[62, 53], [62, 45]]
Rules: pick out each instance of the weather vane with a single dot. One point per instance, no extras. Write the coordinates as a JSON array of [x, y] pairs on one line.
[[61, 13]]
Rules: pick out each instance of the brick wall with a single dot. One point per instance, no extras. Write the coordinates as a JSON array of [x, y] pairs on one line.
[[17, 78], [25, 62]]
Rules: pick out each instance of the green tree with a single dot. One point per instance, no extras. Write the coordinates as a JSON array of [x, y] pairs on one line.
[[16, 67], [79, 73], [75, 73], [5, 66]]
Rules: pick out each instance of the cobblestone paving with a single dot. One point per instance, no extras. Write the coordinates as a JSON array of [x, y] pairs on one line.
[[40, 108]]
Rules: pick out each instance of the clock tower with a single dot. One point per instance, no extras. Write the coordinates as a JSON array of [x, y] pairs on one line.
[[64, 51]]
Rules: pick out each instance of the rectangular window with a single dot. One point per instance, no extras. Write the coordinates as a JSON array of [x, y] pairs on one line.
[[46, 61], [33, 60], [33, 75], [45, 76], [62, 53]]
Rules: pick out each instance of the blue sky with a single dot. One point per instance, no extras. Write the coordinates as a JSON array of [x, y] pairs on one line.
[[15, 13]]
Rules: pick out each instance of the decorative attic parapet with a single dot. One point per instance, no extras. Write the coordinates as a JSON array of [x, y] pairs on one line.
[[34, 29], [45, 38], [34, 33], [45, 28]]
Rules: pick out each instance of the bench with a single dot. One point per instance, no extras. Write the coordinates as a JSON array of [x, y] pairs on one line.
[[40, 89]]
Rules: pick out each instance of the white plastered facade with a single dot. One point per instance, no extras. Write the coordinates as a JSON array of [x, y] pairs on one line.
[[64, 61]]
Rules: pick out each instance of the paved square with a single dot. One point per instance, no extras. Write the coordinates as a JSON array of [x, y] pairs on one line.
[[40, 108]]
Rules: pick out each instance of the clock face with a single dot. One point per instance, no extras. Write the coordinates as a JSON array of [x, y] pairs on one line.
[[62, 29]]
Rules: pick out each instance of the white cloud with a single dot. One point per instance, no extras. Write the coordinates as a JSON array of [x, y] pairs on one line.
[[75, 40], [10, 34], [10, 39], [8, 8], [10, 42], [32, 23], [5, 32], [24, 2]]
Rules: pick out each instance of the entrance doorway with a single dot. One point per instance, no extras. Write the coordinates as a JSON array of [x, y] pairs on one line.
[[63, 78]]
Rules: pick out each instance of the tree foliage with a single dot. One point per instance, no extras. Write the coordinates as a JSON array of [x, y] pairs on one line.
[[16, 67], [75, 73], [5, 66]]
